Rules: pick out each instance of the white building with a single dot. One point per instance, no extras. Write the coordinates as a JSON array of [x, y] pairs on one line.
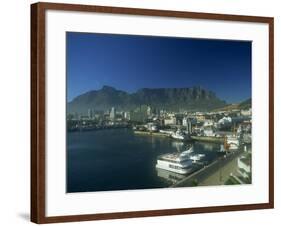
[[187, 122], [149, 111], [225, 120], [184, 121], [170, 121], [208, 131], [90, 113], [127, 115], [152, 127], [246, 112], [112, 114], [208, 122]]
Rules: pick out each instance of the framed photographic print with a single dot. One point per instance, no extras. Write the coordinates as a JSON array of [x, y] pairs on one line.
[[130, 105]]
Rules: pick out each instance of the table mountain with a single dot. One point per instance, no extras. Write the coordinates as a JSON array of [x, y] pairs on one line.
[[174, 99]]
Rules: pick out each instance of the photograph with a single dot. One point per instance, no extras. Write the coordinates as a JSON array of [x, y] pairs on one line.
[[154, 112], [132, 104]]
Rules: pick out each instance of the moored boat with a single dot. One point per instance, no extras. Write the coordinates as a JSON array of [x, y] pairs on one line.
[[178, 162], [179, 135]]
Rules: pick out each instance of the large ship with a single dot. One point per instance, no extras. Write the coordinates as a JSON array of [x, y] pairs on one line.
[[169, 176], [178, 162]]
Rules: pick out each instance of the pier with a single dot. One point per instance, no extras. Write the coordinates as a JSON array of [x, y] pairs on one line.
[[208, 139], [93, 128], [215, 173], [151, 133], [219, 140]]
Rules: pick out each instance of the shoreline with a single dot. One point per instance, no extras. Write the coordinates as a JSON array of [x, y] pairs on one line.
[[151, 133], [218, 140], [208, 171]]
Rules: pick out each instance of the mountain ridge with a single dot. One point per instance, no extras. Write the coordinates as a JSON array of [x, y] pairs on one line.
[[186, 98]]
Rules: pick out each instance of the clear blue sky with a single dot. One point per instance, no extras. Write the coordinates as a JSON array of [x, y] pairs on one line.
[[132, 62]]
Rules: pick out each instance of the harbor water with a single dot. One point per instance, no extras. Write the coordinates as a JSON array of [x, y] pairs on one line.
[[118, 159]]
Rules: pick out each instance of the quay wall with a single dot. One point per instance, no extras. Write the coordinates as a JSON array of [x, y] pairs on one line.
[[208, 139], [208, 171], [150, 133]]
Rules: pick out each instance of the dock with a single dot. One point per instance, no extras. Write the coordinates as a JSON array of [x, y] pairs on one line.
[[207, 172], [219, 140], [151, 133]]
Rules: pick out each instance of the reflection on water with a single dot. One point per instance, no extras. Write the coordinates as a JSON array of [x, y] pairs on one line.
[[208, 146], [118, 159], [177, 145]]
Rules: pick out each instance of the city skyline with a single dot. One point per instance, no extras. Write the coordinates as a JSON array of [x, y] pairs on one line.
[[130, 63]]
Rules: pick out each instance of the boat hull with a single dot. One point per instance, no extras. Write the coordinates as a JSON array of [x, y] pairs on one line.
[[173, 167]]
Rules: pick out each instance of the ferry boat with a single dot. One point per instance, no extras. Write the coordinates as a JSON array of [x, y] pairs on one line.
[[169, 176], [179, 135], [175, 162]]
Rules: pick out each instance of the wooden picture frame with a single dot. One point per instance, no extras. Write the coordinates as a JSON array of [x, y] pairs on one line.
[[38, 108]]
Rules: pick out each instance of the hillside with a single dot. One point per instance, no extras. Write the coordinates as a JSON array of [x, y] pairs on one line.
[[194, 98]]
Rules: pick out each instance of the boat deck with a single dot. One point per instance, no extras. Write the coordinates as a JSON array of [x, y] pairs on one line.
[[170, 156]]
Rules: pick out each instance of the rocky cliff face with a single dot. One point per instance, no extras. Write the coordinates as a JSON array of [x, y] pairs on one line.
[[194, 98]]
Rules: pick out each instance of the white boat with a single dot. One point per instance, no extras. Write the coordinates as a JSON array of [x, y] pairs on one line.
[[168, 132], [233, 142], [175, 162], [179, 135], [169, 176]]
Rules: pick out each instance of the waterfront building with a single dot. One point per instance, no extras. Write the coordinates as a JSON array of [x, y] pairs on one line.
[[112, 114], [90, 114], [208, 122], [127, 115], [200, 117], [188, 124], [138, 116], [185, 121], [179, 118], [152, 127], [247, 112], [149, 111], [225, 120], [170, 121], [208, 131]]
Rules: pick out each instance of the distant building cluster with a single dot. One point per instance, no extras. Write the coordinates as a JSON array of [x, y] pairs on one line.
[[147, 118]]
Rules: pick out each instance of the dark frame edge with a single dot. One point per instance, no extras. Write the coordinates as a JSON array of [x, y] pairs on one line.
[[155, 213], [37, 183], [38, 113], [152, 12], [271, 111], [34, 176]]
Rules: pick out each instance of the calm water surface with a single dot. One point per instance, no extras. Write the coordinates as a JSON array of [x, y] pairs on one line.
[[116, 159]]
